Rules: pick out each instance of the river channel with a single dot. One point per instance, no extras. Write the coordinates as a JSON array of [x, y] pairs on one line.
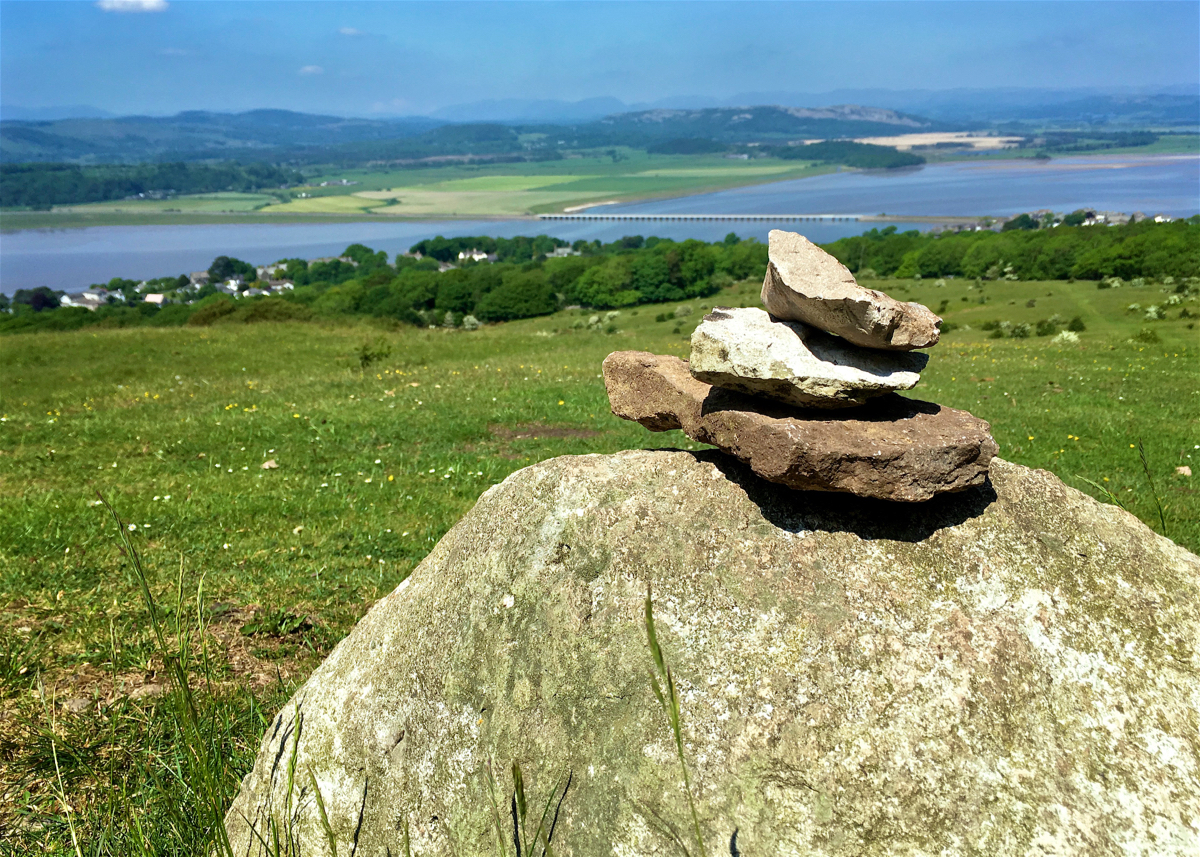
[[71, 259]]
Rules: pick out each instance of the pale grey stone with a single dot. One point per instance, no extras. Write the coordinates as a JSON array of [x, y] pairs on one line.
[[1012, 670], [804, 283], [746, 350]]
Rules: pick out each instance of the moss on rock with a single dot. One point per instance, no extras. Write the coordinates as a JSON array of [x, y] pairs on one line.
[[1009, 670]]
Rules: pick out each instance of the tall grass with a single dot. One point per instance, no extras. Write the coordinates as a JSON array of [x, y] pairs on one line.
[[291, 556]]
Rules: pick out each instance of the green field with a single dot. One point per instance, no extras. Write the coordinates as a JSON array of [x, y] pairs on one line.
[[467, 190], [194, 203], [172, 426]]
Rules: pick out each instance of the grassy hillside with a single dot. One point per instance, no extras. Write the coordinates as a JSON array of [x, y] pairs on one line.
[[269, 568]]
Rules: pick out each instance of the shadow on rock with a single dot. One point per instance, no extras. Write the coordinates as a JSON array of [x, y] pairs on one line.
[[885, 409], [796, 511]]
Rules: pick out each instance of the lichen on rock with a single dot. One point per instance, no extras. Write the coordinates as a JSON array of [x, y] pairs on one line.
[[1009, 670]]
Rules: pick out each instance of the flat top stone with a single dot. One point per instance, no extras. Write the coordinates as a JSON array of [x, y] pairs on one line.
[[746, 350], [892, 448], [804, 283]]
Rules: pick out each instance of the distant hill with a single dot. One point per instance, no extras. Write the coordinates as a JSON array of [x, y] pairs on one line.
[[750, 124], [192, 135], [285, 136]]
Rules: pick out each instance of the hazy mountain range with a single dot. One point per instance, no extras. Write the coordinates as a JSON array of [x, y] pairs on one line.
[[1177, 105], [280, 135], [540, 127]]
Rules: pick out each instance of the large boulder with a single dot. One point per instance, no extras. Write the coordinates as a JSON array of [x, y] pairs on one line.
[[1009, 670]]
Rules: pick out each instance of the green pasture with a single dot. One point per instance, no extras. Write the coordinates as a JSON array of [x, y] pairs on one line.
[[261, 571], [458, 190], [514, 190], [194, 203]]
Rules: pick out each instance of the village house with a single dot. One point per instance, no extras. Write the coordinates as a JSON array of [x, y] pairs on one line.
[[156, 299], [198, 278], [475, 256], [81, 299]]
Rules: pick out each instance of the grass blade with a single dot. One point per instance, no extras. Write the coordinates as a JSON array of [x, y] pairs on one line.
[[670, 705], [330, 839], [1162, 518]]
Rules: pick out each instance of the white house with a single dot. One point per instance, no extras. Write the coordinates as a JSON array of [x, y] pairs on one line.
[[156, 299], [83, 299]]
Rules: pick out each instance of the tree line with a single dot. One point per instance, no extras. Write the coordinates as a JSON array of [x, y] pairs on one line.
[[1142, 249], [43, 185], [529, 278]]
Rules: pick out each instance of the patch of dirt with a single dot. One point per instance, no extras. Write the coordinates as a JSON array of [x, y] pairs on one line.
[[536, 431]]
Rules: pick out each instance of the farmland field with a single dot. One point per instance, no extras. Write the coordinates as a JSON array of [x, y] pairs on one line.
[[270, 567], [193, 203], [489, 190]]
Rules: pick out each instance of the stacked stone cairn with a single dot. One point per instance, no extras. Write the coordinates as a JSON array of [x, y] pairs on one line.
[[805, 393]]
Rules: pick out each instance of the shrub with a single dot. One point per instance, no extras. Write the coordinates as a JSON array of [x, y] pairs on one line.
[[1147, 336], [1046, 327], [1066, 337], [1076, 325], [206, 315], [273, 309], [1020, 331], [721, 280], [520, 297]]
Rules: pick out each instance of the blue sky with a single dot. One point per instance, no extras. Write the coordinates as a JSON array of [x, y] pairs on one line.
[[395, 58]]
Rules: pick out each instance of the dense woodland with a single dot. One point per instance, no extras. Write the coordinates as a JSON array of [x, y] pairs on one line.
[[43, 185], [863, 156], [529, 279], [1143, 249]]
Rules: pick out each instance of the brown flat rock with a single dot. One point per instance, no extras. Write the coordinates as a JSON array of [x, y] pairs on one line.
[[804, 283], [892, 448]]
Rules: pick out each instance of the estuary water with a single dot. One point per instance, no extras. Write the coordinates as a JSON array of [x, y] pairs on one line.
[[72, 259], [1151, 184]]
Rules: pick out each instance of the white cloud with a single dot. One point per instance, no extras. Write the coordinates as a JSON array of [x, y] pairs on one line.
[[351, 31], [312, 69], [132, 5]]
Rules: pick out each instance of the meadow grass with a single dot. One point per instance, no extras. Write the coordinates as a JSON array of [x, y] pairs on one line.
[[259, 572], [193, 203], [460, 190]]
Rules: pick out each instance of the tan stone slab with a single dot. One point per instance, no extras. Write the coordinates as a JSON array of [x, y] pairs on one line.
[[892, 448], [804, 283]]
